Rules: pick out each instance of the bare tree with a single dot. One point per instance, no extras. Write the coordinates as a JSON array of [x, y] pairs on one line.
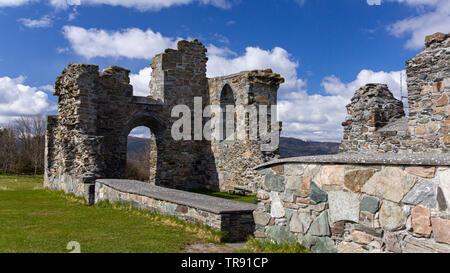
[[8, 149], [30, 132]]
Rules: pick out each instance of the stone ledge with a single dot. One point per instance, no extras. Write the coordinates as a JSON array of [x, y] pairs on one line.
[[195, 200], [145, 100], [416, 159]]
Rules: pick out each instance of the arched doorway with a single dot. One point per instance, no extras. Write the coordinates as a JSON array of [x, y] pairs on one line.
[[141, 162], [141, 155]]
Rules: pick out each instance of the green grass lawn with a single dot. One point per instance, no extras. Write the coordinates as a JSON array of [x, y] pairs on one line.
[[37, 220], [242, 198], [33, 219]]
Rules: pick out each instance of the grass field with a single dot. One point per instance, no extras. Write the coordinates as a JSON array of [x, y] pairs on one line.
[[242, 198], [33, 219], [36, 220]]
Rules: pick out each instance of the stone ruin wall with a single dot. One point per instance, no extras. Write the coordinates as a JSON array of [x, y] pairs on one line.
[[235, 159], [87, 139], [376, 122], [378, 206]]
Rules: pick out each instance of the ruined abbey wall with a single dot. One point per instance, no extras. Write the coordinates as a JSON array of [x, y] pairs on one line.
[[376, 122], [235, 157], [87, 139]]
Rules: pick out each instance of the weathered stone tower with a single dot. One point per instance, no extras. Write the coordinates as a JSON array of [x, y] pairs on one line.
[[376, 121], [87, 139]]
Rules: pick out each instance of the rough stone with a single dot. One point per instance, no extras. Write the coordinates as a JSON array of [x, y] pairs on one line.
[[426, 172], [440, 198], [361, 237], [415, 245], [423, 194], [324, 245], [280, 234], [320, 226], [338, 228], [355, 179], [391, 183], [343, 206], [420, 220], [330, 175], [370, 204], [392, 216], [274, 182], [317, 195], [392, 243], [306, 240], [293, 183], [376, 232], [444, 178], [349, 247], [261, 218], [276, 208], [441, 230], [300, 222]]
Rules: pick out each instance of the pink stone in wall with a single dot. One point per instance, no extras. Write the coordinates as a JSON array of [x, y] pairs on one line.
[[441, 230], [420, 217], [422, 171], [331, 175]]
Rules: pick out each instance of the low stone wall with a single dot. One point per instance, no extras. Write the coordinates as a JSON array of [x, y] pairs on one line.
[[357, 203], [81, 186], [233, 218]]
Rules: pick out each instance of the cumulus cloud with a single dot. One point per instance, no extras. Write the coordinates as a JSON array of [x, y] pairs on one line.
[[319, 117], [307, 116], [334, 86], [131, 42], [18, 99], [140, 82], [426, 23], [14, 3], [222, 62], [45, 21], [142, 5]]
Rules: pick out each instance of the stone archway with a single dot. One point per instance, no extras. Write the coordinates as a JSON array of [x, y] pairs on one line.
[[156, 132]]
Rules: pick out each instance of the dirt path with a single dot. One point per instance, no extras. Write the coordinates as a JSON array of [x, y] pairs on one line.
[[213, 248]]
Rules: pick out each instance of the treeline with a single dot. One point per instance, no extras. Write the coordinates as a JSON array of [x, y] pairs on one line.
[[138, 165], [22, 144]]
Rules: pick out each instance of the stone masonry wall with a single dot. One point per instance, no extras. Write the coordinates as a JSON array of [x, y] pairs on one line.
[[87, 139], [375, 124], [355, 207], [372, 107], [236, 159], [429, 95], [235, 226]]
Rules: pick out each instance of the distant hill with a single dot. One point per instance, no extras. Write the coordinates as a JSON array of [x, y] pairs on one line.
[[136, 143], [293, 147], [289, 147]]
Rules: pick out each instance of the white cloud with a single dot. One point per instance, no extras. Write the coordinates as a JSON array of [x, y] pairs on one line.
[[18, 99], [319, 117], [142, 5], [374, 2], [131, 42], [13, 3], [141, 82], [334, 86], [307, 116], [45, 21], [428, 22], [278, 59]]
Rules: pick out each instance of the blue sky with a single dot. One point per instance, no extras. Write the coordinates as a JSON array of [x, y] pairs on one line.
[[326, 49]]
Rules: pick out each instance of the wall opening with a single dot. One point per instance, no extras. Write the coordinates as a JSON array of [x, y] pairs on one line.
[[141, 155], [228, 120]]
